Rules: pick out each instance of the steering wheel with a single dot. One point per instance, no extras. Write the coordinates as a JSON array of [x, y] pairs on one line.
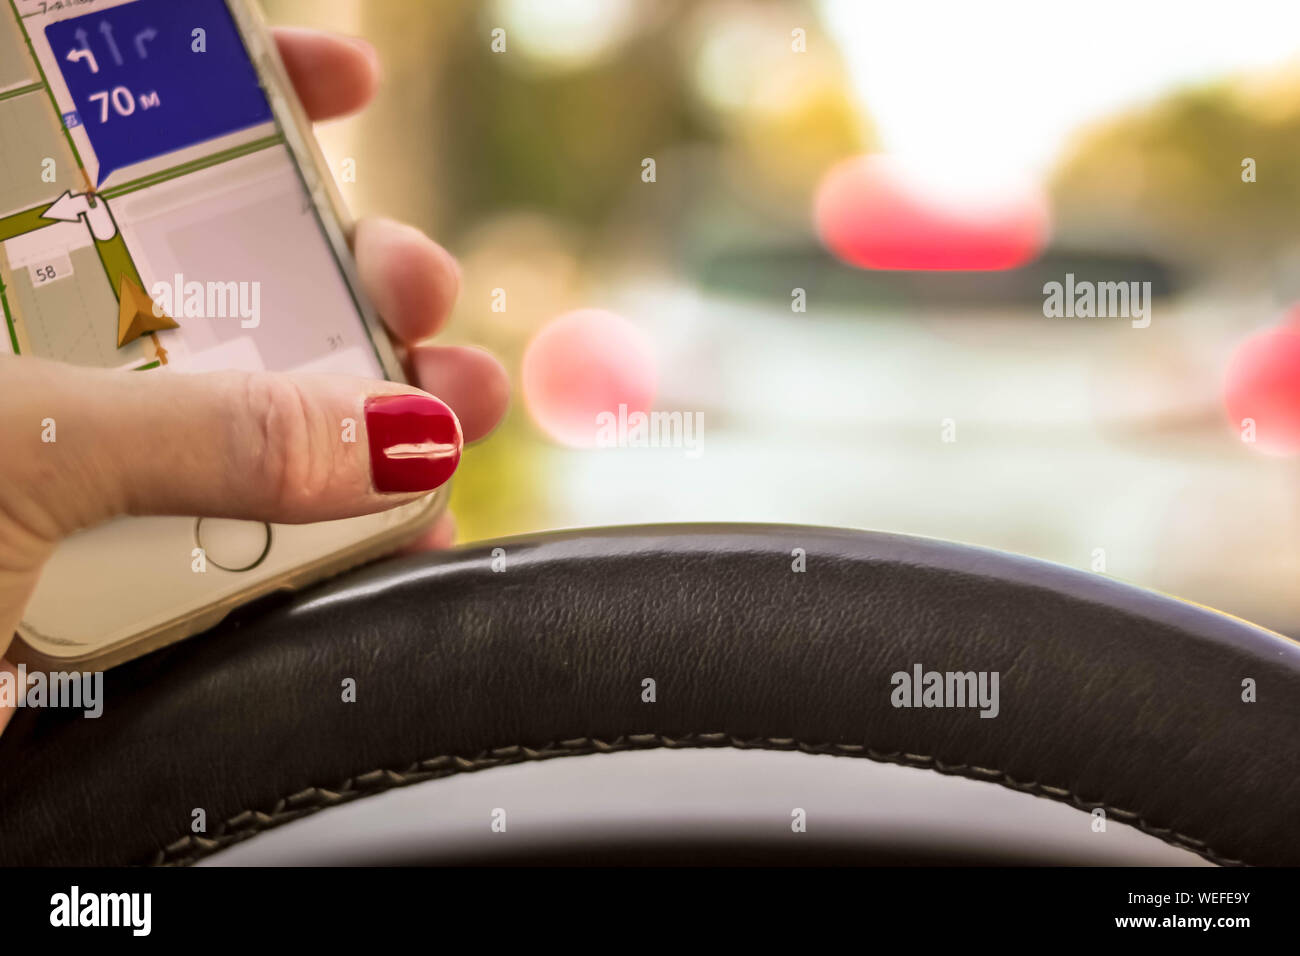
[[730, 694]]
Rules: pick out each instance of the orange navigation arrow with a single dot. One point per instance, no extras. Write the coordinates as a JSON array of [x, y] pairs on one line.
[[136, 314]]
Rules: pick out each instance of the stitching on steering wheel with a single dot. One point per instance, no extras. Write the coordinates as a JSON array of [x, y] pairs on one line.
[[192, 848]]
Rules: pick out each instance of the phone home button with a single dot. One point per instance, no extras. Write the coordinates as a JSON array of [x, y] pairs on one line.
[[233, 545]]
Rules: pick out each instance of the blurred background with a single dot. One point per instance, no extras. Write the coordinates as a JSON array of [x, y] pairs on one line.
[[822, 229]]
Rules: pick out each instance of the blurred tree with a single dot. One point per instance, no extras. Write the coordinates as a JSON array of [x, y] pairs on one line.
[[1168, 177], [563, 142]]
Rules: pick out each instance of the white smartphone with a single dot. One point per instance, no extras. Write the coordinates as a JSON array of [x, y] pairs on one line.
[[155, 165]]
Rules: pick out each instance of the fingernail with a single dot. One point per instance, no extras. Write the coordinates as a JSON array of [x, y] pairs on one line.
[[415, 442]]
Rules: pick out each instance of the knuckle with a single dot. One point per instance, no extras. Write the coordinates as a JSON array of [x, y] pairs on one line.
[[279, 451]]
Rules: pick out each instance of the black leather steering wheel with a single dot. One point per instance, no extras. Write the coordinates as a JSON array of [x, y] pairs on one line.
[[1121, 703]]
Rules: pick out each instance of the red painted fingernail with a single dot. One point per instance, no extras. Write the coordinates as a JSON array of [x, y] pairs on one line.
[[415, 442]]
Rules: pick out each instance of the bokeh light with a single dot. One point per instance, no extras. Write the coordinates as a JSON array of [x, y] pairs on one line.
[[875, 212], [1263, 384], [584, 363], [788, 114], [567, 34]]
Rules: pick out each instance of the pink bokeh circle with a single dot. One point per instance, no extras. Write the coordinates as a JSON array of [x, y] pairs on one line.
[[582, 364]]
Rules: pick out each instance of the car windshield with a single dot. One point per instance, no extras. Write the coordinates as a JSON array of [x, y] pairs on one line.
[[984, 272]]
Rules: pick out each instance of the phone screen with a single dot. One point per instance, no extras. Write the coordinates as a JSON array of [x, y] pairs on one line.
[[152, 214]]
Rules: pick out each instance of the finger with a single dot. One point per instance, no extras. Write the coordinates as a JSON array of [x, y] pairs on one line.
[[334, 75], [470, 380], [412, 280], [279, 448]]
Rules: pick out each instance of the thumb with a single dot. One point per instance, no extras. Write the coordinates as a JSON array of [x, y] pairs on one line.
[[272, 447]]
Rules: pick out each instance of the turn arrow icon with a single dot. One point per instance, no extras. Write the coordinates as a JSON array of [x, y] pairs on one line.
[[72, 206]]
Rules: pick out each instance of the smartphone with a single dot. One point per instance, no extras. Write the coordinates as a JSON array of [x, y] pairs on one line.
[[164, 209]]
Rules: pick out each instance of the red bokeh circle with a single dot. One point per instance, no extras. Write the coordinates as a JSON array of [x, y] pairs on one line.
[[1262, 383], [873, 213]]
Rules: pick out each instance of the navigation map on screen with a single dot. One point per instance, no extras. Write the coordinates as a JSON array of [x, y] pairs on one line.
[[151, 215]]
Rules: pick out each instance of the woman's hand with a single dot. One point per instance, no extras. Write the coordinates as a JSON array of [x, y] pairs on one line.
[[232, 444]]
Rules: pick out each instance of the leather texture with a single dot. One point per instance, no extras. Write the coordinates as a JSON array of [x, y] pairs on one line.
[[1109, 696]]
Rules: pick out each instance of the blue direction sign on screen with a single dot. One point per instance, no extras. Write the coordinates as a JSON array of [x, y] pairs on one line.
[[154, 76]]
